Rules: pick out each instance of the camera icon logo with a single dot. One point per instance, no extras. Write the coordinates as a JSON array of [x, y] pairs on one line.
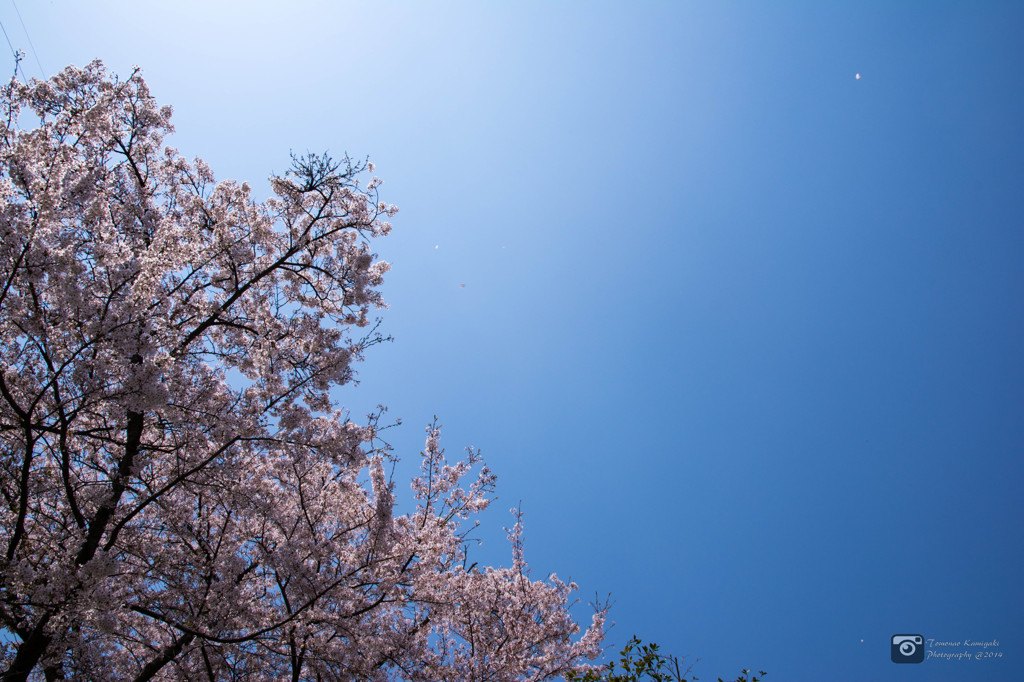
[[907, 649]]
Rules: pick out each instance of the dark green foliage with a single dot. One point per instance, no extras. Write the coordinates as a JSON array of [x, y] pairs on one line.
[[743, 676], [641, 662]]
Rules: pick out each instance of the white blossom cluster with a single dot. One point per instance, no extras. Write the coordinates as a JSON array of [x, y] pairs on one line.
[[160, 521]]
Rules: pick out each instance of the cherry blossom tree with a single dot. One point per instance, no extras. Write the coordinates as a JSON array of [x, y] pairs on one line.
[[182, 497]]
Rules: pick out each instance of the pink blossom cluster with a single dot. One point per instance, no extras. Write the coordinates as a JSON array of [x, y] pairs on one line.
[[182, 498]]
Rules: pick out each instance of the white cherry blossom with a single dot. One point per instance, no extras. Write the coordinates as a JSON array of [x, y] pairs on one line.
[[182, 499]]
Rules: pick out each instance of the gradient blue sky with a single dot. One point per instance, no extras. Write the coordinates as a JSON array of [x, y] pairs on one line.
[[743, 333]]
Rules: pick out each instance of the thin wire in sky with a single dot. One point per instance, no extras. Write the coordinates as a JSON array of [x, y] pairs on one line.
[[17, 58], [35, 54], [8, 39]]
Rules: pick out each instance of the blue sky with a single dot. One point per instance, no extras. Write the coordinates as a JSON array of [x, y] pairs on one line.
[[741, 331]]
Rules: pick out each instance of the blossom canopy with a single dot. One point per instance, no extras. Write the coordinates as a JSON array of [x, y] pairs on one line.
[[182, 497]]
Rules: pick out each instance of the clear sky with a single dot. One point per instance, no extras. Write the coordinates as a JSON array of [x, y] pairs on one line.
[[742, 331]]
